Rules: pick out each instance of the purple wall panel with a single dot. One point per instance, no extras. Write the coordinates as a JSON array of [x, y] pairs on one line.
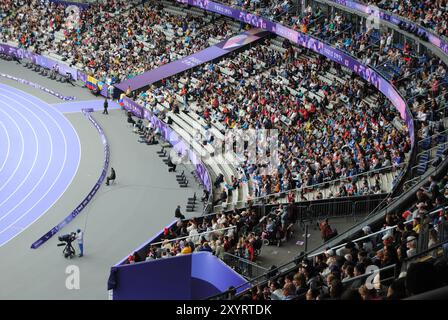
[[201, 288], [209, 268], [184, 277], [162, 279]]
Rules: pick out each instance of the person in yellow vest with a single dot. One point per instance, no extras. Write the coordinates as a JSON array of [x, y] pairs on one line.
[[186, 249]]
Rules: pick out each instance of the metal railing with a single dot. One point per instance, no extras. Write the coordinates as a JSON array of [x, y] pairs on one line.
[[432, 136], [246, 268], [199, 235], [320, 186], [349, 283], [432, 148], [379, 232]]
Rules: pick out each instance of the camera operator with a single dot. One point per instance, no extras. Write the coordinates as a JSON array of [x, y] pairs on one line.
[[80, 238]]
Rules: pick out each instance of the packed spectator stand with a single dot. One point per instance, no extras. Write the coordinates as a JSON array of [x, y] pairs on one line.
[[310, 105], [360, 144], [114, 40]]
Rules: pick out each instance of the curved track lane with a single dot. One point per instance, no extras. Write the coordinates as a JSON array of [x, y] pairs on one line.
[[39, 156]]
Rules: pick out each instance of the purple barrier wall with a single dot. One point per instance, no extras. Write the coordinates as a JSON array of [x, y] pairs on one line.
[[162, 279], [210, 269], [396, 20], [185, 277], [38, 59], [37, 86], [170, 135], [317, 46], [90, 195], [201, 57]]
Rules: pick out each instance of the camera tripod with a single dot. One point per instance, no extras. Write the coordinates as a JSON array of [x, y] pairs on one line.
[[68, 251]]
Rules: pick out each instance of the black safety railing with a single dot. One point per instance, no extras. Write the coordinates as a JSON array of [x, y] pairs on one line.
[[320, 186], [243, 266]]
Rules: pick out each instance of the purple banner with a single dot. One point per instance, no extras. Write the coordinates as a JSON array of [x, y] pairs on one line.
[[134, 107], [105, 90], [317, 46], [170, 136], [91, 194], [38, 59], [193, 60]]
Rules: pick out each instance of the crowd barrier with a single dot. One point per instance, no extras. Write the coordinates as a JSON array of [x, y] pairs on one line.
[[38, 86], [48, 63]]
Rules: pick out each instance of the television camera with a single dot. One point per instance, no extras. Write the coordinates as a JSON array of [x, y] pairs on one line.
[[66, 240]]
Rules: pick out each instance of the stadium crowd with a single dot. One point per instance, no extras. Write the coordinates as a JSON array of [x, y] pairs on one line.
[[422, 79], [232, 233], [432, 15], [111, 41], [326, 130], [340, 272], [429, 14]]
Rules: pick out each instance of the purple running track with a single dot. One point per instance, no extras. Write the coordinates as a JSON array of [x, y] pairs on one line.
[[39, 157]]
